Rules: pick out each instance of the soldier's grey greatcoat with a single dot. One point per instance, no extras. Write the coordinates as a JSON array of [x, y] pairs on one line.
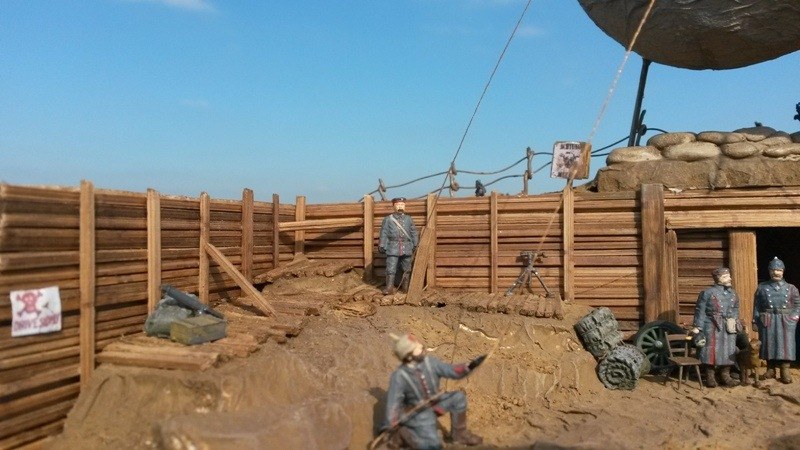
[[714, 305], [413, 383], [776, 309], [398, 242]]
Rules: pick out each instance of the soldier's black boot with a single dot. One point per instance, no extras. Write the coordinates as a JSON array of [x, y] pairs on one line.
[[725, 376], [389, 288], [711, 379], [786, 376], [458, 430], [770, 373]]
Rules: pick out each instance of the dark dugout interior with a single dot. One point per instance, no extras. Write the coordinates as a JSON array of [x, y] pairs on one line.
[[783, 243]]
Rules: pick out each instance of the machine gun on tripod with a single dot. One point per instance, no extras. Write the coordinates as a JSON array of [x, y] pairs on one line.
[[528, 259]]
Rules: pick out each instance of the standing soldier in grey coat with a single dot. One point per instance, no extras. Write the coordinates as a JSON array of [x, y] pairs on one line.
[[716, 315], [776, 309], [398, 240]]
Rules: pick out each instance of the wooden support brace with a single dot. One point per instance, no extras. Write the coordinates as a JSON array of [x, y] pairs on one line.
[[276, 239], [87, 282], [430, 208], [205, 234], [369, 237], [300, 216], [568, 231], [744, 272], [414, 294], [153, 249], [247, 234], [653, 235], [261, 302], [493, 242]]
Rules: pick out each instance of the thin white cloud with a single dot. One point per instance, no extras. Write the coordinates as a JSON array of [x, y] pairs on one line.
[[530, 31], [195, 103], [191, 5]]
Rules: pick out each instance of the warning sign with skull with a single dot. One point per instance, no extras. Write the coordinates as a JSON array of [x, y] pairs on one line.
[[35, 311]]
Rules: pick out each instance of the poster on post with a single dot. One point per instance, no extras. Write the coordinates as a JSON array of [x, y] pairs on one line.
[[35, 311], [570, 160]]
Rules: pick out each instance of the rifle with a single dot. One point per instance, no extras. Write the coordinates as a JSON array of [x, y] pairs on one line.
[[411, 413], [189, 302], [421, 405]]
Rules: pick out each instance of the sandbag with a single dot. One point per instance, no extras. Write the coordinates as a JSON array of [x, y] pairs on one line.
[[777, 138], [623, 367], [664, 140], [780, 151], [633, 154], [692, 151], [739, 150], [756, 134], [720, 137], [599, 332]]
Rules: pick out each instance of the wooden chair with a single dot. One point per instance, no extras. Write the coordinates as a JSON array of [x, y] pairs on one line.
[[680, 355]]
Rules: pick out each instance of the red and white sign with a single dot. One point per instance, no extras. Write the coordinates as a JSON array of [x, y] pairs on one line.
[[35, 311]]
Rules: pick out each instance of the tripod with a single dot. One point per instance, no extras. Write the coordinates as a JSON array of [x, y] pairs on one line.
[[528, 273]]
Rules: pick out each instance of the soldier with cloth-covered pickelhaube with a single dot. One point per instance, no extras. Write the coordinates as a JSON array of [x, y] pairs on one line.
[[716, 315], [776, 310]]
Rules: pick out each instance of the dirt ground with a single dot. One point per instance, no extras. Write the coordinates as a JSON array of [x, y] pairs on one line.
[[325, 389]]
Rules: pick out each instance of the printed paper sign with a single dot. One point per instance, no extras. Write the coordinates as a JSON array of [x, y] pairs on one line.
[[35, 311], [570, 159]]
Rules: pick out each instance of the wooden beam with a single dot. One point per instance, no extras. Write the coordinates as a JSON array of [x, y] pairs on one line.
[[653, 226], [276, 239], [744, 271], [153, 249], [87, 282], [493, 238], [205, 234], [248, 289], [418, 270], [743, 218], [669, 303], [568, 233], [369, 237], [299, 216], [247, 233], [321, 224], [430, 208]]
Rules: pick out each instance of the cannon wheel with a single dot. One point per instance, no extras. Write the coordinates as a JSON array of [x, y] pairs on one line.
[[652, 340]]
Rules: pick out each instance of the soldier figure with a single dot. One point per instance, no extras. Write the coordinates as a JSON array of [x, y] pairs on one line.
[[398, 240], [716, 315], [414, 387], [776, 309]]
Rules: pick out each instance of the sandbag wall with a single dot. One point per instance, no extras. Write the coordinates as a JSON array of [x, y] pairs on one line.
[[40, 241]]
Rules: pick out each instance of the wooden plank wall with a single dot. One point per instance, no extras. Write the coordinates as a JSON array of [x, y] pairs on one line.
[[39, 246]]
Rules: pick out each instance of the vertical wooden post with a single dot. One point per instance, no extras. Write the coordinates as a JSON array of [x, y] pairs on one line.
[[369, 237], [247, 234], [653, 226], [744, 271], [430, 211], [568, 232], [87, 282], [153, 249], [276, 252], [669, 278], [205, 234], [300, 235], [493, 246]]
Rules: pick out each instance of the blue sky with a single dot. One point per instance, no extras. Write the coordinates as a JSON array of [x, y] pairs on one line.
[[322, 98]]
